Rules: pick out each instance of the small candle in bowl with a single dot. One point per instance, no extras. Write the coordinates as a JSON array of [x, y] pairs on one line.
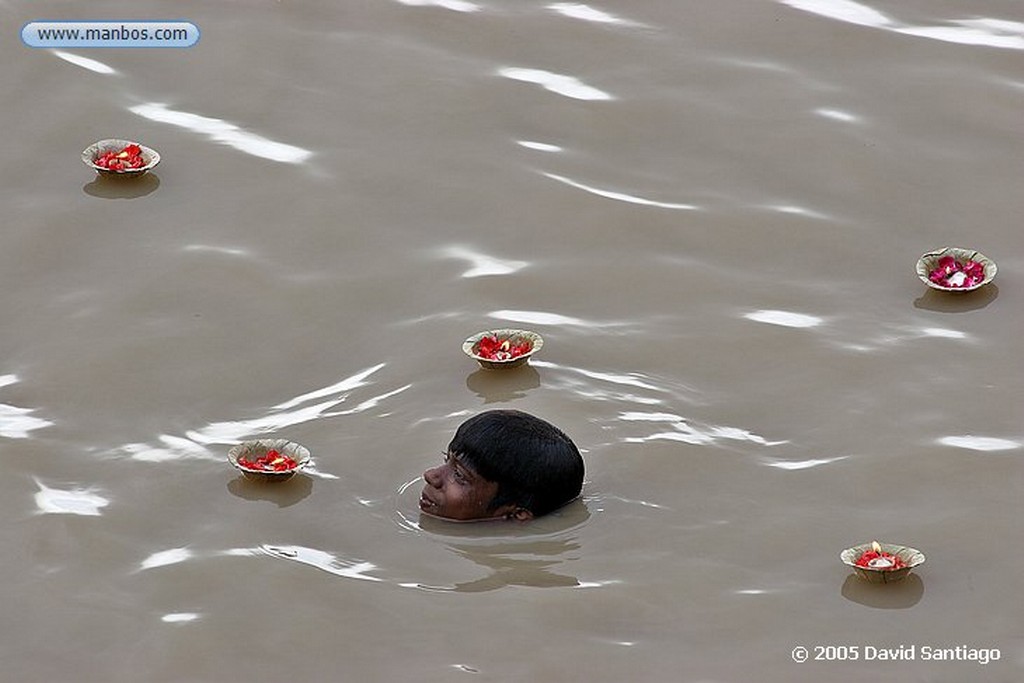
[[116, 157], [882, 562], [954, 269], [502, 349], [269, 460]]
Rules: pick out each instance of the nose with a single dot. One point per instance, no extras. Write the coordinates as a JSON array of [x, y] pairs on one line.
[[434, 477]]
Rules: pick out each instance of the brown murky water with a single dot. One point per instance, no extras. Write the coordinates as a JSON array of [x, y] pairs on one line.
[[712, 213]]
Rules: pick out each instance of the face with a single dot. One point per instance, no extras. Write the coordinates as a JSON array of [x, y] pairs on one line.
[[455, 491]]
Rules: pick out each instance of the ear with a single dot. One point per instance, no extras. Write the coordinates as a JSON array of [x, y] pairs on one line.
[[520, 515]]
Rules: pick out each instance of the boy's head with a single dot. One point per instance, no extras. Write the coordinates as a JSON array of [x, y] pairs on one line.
[[503, 464]]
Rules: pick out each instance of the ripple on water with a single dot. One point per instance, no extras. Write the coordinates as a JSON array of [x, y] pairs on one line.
[[621, 196], [350, 569], [289, 413], [687, 433]]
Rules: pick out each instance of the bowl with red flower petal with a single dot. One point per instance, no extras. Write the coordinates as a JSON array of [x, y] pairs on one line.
[[120, 158], [882, 562], [269, 460], [955, 269], [502, 349]]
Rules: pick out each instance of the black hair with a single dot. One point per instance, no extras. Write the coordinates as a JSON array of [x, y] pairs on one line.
[[536, 466]]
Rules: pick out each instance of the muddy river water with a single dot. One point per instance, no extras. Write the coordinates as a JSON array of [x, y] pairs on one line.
[[711, 211]]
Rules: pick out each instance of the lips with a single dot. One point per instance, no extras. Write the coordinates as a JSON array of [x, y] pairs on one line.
[[426, 504]]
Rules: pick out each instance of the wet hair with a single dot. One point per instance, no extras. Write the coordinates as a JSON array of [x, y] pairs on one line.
[[536, 466]]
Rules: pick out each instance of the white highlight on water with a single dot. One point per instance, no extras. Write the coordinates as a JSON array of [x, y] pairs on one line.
[[15, 422], [569, 86], [350, 569], [620, 196], [803, 464], [687, 433], [227, 251], [837, 115], [980, 443], [76, 501], [195, 442], [539, 146], [166, 557], [179, 617], [224, 132], [983, 31], [453, 5], [577, 10], [784, 318], [481, 264], [943, 332], [85, 62], [539, 318]]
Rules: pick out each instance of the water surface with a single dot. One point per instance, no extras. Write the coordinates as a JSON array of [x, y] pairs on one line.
[[712, 213]]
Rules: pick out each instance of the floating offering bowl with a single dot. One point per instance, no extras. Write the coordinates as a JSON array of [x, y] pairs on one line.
[[502, 349], [954, 269], [882, 562], [96, 151], [269, 460]]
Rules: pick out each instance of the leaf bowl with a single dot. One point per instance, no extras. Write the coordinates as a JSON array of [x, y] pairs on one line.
[[930, 261], [252, 450], [94, 151], [471, 347], [911, 557]]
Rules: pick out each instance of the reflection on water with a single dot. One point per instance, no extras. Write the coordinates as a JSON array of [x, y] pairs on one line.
[[507, 570], [283, 494], [957, 302], [900, 595], [534, 555], [106, 187], [503, 386]]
